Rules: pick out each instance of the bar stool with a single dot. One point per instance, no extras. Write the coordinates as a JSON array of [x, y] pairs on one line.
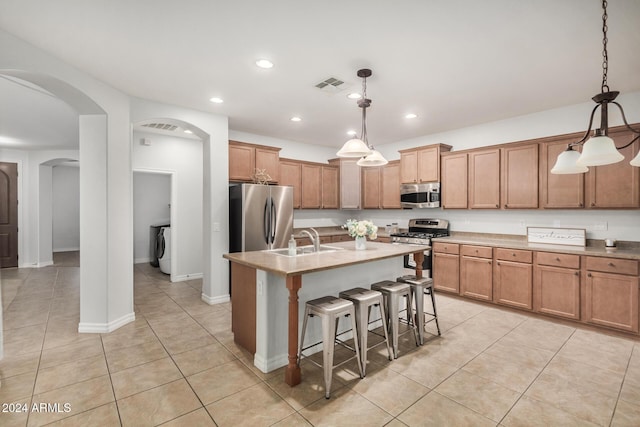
[[392, 293], [363, 299], [330, 309], [420, 287]]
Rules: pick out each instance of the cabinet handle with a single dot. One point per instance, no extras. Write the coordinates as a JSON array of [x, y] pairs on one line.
[[476, 251], [497, 205], [557, 259], [498, 263], [489, 262], [513, 254], [506, 206], [593, 204], [611, 264], [589, 275], [577, 273], [580, 204]]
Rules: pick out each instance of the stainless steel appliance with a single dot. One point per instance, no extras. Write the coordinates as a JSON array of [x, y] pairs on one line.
[[420, 233], [423, 195], [260, 217]]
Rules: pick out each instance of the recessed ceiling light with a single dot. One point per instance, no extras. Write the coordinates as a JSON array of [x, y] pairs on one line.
[[410, 116], [352, 132], [295, 119], [354, 96], [264, 63], [188, 131], [216, 100]]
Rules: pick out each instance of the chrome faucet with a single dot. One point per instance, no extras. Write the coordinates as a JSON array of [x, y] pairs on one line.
[[315, 241]]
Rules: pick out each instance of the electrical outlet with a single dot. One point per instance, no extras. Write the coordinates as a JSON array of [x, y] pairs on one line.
[[523, 223], [260, 287], [216, 226], [601, 226]]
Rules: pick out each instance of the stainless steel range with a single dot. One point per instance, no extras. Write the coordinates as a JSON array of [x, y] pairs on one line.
[[421, 231]]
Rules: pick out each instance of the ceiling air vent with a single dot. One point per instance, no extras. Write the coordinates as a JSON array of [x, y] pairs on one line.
[[161, 126], [332, 85]]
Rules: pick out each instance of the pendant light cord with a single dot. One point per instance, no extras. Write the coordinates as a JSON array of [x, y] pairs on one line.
[[605, 54], [364, 103]]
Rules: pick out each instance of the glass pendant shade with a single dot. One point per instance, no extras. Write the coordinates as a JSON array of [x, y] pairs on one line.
[[354, 148], [599, 150], [373, 159], [635, 161], [566, 163]]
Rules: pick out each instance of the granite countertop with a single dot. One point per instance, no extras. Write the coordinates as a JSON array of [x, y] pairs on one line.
[[627, 250], [308, 263]]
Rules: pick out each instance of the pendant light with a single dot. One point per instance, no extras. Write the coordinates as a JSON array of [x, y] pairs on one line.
[[360, 147], [600, 149]]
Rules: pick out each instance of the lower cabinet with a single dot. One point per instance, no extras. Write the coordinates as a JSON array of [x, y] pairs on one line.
[[446, 267], [513, 278], [611, 294], [556, 285], [476, 272]]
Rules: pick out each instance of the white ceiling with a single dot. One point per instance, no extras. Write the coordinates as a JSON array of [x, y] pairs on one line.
[[455, 63]]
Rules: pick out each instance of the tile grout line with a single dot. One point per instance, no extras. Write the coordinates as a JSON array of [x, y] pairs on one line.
[[624, 378]]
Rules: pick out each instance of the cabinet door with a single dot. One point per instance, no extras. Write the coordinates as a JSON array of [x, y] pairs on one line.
[[329, 187], [520, 177], [558, 191], [612, 300], [428, 165], [446, 272], [390, 177], [476, 278], [556, 291], [311, 176], [484, 179], [454, 181], [616, 185], [269, 161], [409, 167], [241, 162], [371, 188], [513, 284], [350, 184], [290, 175]]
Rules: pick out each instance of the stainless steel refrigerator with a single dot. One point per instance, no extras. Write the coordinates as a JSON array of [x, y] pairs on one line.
[[260, 217]]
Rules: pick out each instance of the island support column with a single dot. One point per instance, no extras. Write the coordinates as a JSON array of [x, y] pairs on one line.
[[292, 373], [419, 259]]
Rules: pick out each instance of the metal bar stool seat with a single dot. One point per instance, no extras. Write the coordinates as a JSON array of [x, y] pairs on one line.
[[329, 309], [420, 287], [392, 293], [363, 299]]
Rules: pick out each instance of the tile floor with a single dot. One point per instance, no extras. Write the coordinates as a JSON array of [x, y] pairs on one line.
[[177, 365]]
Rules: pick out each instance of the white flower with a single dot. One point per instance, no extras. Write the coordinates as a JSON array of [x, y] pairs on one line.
[[361, 228]]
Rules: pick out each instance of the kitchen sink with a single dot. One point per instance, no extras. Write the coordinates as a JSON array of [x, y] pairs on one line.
[[305, 250]]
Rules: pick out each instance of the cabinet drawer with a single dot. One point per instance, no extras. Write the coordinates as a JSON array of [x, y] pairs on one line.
[[558, 260], [612, 265], [476, 251], [446, 248], [515, 255]]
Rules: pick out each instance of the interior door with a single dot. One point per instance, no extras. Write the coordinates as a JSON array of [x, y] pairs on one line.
[[8, 215]]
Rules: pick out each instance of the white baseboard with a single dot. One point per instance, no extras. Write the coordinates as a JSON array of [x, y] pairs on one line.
[[44, 263], [141, 260], [268, 365], [105, 328], [66, 249], [186, 277], [215, 300]]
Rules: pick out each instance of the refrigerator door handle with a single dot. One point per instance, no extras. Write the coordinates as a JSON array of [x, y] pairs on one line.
[[266, 221], [274, 222]]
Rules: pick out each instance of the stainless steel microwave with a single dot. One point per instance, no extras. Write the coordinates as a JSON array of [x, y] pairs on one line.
[[423, 195]]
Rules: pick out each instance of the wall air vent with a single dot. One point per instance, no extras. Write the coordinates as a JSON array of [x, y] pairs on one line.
[[161, 126], [332, 85]]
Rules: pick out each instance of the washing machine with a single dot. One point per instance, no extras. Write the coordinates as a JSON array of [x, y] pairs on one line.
[[154, 230], [163, 249]]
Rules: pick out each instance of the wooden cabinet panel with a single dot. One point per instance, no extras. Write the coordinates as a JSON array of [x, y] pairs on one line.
[[311, 176], [269, 161], [476, 277], [383, 239], [559, 191], [520, 177], [558, 260], [513, 284], [390, 177], [341, 238], [515, 255], [476, 251], [290, 174], [409, 167], [612, 265], [330, 185], [350, 180], [446, 272], [429, 165], [241, 162], [243, 297], [616, 185], [371, 188], [612, 300], [454, 181], [446, 248], [484, 179], [556, 291]]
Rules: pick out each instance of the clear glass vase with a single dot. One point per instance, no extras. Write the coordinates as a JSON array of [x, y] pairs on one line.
[[361, 243]]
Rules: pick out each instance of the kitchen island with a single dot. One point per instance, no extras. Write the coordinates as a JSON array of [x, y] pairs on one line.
[[266, 288]]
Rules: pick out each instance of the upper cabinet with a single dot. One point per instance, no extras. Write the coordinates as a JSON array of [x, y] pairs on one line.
[[559, 191], [330, 187], [381, 186], [421, 164], [291, 175], [245, 159], [520, 177], [616, 185], [349, 182], [311, 195], [484, 179], [371, 187], [454, 180]]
